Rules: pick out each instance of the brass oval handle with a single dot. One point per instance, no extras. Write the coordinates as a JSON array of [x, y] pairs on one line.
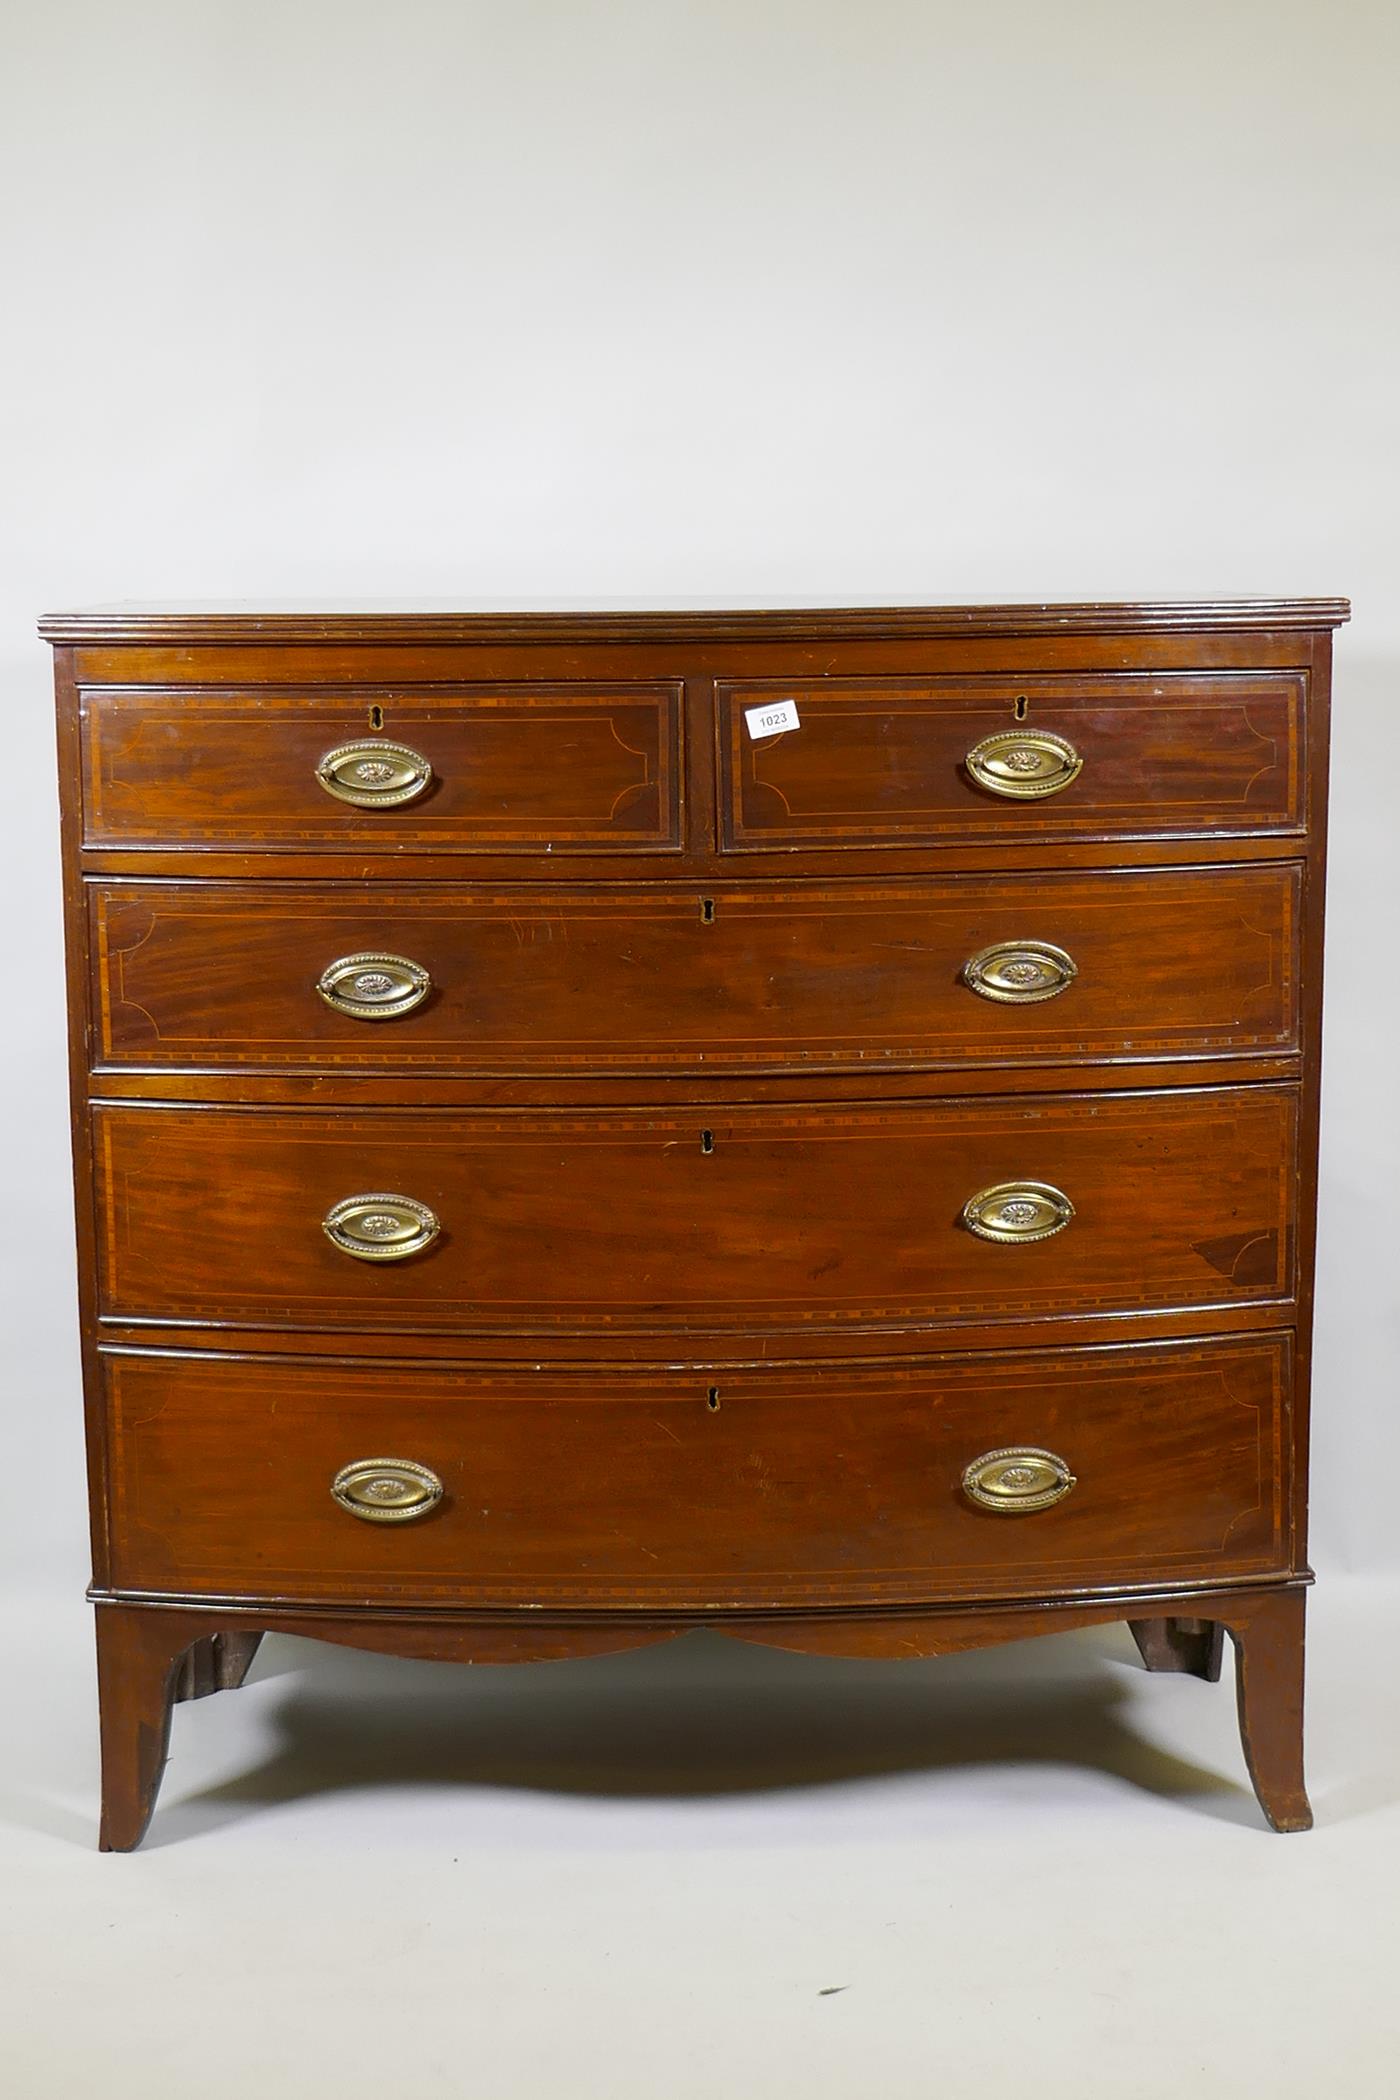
[[1015, 1481], [387, 1490], [1017, 1211], [1020, 972], [373, 774], [1024, 763], [374, 987], [380, 1228]]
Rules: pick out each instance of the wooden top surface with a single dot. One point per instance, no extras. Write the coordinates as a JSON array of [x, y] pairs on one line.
[[446, 621]]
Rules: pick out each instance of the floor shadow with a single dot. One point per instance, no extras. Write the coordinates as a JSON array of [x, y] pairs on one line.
[[24, 1808], [700, 1719]]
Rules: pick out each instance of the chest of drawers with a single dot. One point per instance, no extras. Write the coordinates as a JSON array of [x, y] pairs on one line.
[[561, 1161]]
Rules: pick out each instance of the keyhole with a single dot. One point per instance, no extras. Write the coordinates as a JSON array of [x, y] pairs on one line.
[[707, 911], [1019, 707], [707, 1141], [712, 1400], [376, 718]]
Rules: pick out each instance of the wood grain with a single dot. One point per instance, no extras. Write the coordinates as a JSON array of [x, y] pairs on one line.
[[857, 977], [437, 623], [698, 1098], [877, 762], [816, 1486], [517, 769], [748, 1218]]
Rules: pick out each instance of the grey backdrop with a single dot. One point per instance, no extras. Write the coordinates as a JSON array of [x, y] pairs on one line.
[[754, 301]]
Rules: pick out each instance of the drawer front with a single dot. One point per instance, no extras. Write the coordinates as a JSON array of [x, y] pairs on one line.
[[896, 762], [512, 768], [744, 1219], [1164, 963], [832, 1484]]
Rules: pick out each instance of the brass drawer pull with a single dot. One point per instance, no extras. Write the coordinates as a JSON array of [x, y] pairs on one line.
[[380, 1228], [1017, 1212], [387, 1490], [1024, 763], [1020, 972], [373, 774], [374, 987], [1018, 1480]]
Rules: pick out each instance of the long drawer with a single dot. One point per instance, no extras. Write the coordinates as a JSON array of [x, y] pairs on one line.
[[742, 1218], [1067, 968], [829, 1484], [888, 762], [539, 768]]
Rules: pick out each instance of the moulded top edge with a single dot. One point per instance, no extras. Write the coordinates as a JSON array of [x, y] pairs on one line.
[[445, 622]]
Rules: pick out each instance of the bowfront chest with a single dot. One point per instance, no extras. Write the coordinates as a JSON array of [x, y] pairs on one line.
[[592, 1124]]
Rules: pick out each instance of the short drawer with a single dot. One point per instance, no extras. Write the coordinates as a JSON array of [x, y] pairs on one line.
[[747, 1219], [946, 761], [832, 1484], [447, 978], [514, 769]]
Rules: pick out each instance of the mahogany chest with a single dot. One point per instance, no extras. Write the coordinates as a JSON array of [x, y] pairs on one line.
[[592, 1124]]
